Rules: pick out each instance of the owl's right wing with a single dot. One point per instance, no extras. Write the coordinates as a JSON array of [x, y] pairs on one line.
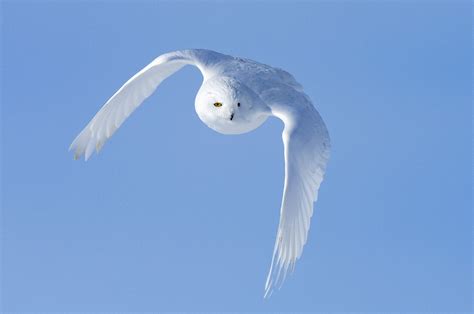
[[117, 109], [306, 150]]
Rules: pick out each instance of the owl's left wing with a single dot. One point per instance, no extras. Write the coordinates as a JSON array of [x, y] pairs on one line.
[[306, 150], [140, 86]]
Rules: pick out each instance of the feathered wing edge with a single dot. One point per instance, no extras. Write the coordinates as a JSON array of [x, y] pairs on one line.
[[117, 109], [306, 150]]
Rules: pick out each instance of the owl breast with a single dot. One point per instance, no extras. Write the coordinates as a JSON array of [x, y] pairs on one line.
[[238, 125]]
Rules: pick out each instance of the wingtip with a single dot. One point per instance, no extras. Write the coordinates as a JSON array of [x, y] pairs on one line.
[[268, 293]]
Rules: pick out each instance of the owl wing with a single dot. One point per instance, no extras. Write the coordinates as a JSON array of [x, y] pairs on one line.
[[306, 151], [117, 109]]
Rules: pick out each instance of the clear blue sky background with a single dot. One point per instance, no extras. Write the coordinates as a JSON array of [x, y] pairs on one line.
[[173, 216]]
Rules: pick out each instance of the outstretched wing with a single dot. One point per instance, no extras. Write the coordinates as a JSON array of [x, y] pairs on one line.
[[306, 148], [117, 109]]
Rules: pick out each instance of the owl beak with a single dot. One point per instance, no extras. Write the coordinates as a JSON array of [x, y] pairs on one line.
[[231, 116]]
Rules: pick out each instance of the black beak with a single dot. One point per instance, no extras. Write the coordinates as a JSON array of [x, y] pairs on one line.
[[231, 117]]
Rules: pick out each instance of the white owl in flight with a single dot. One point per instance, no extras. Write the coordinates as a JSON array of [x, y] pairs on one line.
[[237, 95]]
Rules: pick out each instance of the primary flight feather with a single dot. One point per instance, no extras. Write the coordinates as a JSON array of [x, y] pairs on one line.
[[237, 95]]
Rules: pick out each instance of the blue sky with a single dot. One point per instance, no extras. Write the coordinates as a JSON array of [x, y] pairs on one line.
[[158, 222]]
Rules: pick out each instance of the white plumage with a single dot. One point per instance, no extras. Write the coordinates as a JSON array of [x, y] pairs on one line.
[[237, 96]]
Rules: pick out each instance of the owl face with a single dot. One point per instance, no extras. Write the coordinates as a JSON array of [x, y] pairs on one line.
[[229, 107]]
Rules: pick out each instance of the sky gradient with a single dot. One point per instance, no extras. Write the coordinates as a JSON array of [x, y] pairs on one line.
[[172, 216]]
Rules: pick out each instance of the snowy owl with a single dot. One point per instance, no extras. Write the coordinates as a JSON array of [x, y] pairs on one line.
[[237, 95]]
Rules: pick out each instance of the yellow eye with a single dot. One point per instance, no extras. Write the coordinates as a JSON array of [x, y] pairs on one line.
[[217, 104]]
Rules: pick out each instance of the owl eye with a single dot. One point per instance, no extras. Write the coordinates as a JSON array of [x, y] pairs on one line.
[[217, 104]]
